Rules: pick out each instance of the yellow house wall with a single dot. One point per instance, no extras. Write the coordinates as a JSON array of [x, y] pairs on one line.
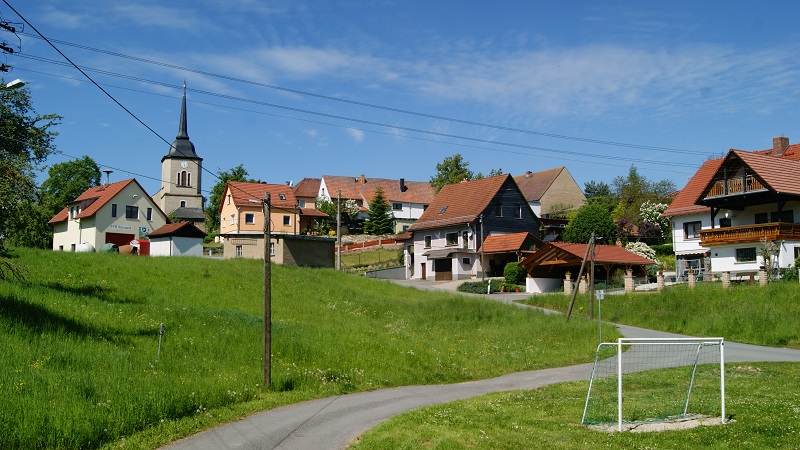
[[563, 190]]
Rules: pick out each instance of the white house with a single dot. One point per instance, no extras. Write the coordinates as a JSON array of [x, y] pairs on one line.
[[177, 239], [408, 198], [117, 213], [733, 205]]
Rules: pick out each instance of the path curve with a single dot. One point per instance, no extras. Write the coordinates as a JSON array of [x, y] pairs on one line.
[[334, 422]]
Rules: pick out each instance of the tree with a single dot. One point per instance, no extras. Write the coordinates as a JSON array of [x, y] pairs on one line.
[[590, 218], [592, 189], [379, 217], [26, 140], [238, 173], [635, 189], [66, 181], [451, 170]]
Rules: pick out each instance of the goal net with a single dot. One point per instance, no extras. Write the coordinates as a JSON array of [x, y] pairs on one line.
[[656, 380]]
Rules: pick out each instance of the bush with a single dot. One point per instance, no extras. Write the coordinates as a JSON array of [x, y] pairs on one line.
[[478, 287], [663, 249], [514, 273]]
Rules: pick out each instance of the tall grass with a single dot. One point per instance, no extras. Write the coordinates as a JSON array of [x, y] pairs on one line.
[[80, 368], [767, 315]]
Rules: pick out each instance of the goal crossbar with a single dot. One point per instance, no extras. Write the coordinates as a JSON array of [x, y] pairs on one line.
[[693, 346]]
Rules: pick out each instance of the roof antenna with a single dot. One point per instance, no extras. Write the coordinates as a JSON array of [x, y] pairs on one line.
[[108, 176]]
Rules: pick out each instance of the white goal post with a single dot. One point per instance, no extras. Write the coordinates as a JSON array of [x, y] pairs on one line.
[[623, 388]]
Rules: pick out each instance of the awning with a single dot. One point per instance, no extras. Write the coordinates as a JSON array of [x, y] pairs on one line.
[[698, 251], [439, 254]]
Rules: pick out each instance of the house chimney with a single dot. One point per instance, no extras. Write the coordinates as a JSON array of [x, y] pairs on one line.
[[528, 174], [108, 176], [362, 179], [403, 187], [779, 145]]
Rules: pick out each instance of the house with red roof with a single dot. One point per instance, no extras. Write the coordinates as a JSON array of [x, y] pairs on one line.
[[114, 213], [242, 226], [733, 203], [446, 240], [177, 239], [407, 198]]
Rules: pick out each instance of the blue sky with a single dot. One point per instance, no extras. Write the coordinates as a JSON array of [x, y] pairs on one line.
[[389, 89]]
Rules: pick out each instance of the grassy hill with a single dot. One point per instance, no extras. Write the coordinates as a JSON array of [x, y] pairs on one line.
[[80, 365]]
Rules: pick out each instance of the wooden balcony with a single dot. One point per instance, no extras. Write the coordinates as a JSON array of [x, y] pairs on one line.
[[750, 233], [733, 186]]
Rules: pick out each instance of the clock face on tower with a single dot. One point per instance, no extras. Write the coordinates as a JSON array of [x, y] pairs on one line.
[[184, 164]]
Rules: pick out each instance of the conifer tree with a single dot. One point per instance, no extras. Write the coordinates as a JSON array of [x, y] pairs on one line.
[[379, 218]]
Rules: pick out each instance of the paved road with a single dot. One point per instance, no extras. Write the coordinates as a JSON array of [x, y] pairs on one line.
[[334, 422]]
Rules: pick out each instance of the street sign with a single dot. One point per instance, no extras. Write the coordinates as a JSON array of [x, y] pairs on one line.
[[600, 294]]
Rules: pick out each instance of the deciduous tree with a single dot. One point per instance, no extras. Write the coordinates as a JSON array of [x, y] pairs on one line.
[[590, 218], [238, 173], [451, 170]]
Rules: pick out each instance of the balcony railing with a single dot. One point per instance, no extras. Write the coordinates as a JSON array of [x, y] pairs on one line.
[[750, 233], [733, 186]]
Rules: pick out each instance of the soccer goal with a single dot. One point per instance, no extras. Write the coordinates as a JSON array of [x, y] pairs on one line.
[[656, 380]]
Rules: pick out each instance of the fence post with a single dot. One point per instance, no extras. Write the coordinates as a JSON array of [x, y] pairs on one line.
[[726, 280]]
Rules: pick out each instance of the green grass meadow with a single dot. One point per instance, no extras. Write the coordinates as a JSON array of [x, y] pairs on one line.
[[763, 402], [749, 314], [80, 365]]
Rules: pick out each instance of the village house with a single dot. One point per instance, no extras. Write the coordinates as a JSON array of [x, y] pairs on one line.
[[408, 199], [446, 240], [732, 205], [551, 193], [242, 226], [116, 213]]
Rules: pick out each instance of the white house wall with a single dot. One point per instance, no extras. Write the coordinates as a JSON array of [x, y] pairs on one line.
[[439, 242], [93, 229], [679, 242]]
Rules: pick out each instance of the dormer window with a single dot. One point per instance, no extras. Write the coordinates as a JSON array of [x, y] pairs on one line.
[[282, 196]]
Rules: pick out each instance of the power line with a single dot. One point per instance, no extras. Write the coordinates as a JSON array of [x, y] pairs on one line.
[[673, 162], [372, 105]]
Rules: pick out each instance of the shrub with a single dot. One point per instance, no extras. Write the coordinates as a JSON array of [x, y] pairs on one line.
[[478, 287], [663, 249], [514, 273]]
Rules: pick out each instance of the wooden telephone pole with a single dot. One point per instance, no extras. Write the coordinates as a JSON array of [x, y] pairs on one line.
[[267, 296]]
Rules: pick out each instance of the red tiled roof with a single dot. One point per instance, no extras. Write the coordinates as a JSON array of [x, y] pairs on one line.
[[780, 174], [684, 202], [94, 198], [419, 192], [242, 192], [460, 203], [534, 186], [511, 242], [182, 229], [568, 254], [310, 212], [307, 187]]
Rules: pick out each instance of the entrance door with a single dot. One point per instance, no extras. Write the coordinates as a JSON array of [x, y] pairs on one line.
[[424, 274]]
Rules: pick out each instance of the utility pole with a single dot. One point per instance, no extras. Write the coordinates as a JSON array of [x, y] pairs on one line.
[[339, 230], [267, 296], [483, 269]]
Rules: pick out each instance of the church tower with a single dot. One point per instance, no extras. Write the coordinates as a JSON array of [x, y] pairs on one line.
[[181, 175]]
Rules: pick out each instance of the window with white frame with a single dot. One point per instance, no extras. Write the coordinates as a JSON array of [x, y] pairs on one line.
[[747, 254], [238, 251], [287, 220], [149, 214], [301, 203], [249, 218], [451, 239], [427, 242], [519, 212], [233, 219], [691, 230], [397, 206], [271, 249]]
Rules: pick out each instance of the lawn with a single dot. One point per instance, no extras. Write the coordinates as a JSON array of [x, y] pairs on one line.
[[80, 365], [763, 402]]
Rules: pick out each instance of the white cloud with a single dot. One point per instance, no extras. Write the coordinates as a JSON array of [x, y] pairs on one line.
[[357, 135]]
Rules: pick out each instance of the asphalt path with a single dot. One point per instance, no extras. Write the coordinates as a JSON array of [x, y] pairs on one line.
[[335, 422]]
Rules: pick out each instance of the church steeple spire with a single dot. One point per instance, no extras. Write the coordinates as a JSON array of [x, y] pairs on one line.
[[182, 130], [182, 147]]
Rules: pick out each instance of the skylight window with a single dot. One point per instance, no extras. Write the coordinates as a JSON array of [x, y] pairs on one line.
[[441, 211]]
